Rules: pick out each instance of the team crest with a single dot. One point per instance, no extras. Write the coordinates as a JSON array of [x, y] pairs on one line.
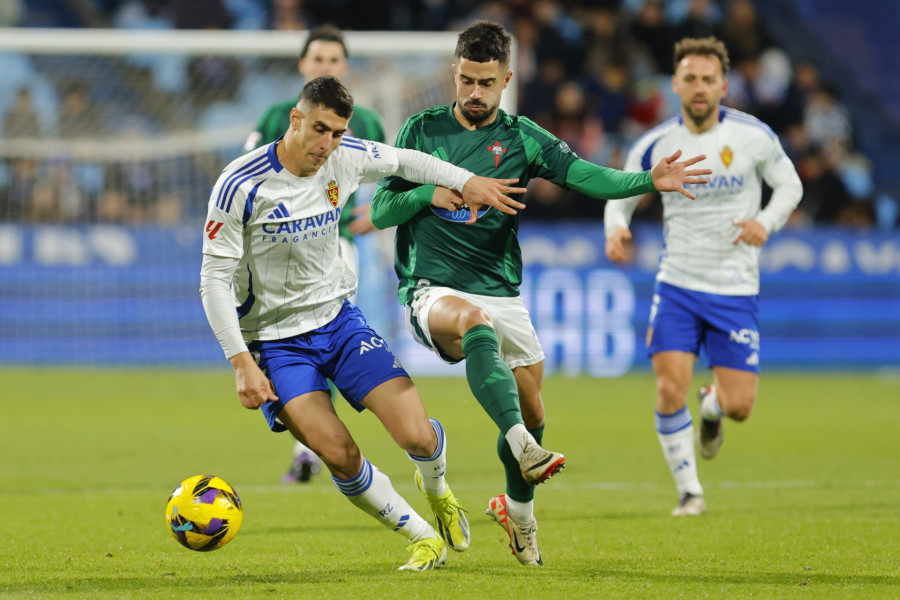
[[727, 155], [497, 150], [332, 192]]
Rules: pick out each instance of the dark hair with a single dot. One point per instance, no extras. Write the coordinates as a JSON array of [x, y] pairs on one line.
[[330, 93], [705, 46], [325, 33], [483, 42]]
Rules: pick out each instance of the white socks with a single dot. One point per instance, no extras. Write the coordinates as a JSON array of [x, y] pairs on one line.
[[432, 468], [709, 406], [517, 437], [520, 512], [676, 436], [371, 491]]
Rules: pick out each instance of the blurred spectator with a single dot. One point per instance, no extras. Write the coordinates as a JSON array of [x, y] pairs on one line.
[[137, 183], [805, 79], [199, 14], [212, 78], [743, 33], [46, 193], [139, 14], [289, 15], [612, 97], [168, 211], [854, 169], [16, 196], [526, 36], [606, 41], [112, 207], [558, 37], [593, 72], [645, 103], [654, 35], [70, 201], [537, 99], [11, 13], [493, 10], [21, 121], [759, 85], [574, 124], [702, 20], [825, 118], [78, 115], [824, 194]]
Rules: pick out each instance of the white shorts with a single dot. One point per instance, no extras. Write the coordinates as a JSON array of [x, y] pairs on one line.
[[519, 344]]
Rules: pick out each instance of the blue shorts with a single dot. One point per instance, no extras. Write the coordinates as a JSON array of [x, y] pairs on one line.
[[346, 350], [725, 327]]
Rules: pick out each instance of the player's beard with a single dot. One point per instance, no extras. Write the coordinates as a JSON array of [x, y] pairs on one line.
[[479, 117], [699, 118]]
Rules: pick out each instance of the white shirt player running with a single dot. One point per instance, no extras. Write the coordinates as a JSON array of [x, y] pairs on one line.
[[272, 260], [700, 253]]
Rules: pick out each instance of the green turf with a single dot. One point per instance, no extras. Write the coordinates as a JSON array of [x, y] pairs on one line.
[[804, 500]]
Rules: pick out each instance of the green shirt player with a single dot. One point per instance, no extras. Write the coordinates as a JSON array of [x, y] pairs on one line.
[[460, 271], [323, 54]]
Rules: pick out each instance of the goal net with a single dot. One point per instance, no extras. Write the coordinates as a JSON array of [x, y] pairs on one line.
[[110, 144]]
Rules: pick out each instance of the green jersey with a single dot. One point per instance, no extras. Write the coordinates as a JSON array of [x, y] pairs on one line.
[[434, 246], [364, 124]]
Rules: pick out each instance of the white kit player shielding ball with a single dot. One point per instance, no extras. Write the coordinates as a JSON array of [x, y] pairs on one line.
[[275, 289], [707, 287]]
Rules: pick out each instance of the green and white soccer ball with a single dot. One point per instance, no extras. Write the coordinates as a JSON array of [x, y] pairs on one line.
[[204, 513]]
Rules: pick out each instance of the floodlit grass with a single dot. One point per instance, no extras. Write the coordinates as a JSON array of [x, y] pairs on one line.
[[804, 499]]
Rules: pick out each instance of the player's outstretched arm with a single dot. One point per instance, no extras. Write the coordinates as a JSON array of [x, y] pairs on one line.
[[484, 191], [670, 176]]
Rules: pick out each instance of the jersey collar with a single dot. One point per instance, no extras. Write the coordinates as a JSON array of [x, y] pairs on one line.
[[273, 159]]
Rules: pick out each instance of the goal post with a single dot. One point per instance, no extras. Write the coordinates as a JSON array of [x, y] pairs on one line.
[[385, 66]]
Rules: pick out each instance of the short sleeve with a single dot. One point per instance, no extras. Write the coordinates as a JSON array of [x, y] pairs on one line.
[[223, 233]]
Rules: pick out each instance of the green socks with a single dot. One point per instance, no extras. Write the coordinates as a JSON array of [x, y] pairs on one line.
[[491, 379], [516, 487]]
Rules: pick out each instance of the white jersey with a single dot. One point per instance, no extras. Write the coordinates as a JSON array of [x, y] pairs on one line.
[[700, 253], [291, 276]]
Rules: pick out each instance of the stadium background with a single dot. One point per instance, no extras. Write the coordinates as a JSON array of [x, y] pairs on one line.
[[108, 158]]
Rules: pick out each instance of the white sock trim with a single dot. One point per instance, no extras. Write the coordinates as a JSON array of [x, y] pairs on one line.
[[520, 512], [517, 437]]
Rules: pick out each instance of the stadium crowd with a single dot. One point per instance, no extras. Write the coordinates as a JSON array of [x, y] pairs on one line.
[[594, 73]]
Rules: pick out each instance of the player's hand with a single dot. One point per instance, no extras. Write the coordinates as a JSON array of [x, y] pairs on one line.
[[619, 246], [752, 232], [253, 387], [447, 199], [362, 222], [484, 191], [670, 176]]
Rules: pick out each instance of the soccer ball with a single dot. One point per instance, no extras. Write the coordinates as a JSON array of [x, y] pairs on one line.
[[204, 513]]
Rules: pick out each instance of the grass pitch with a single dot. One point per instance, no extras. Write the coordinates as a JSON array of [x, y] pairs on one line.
[[804, 499]]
